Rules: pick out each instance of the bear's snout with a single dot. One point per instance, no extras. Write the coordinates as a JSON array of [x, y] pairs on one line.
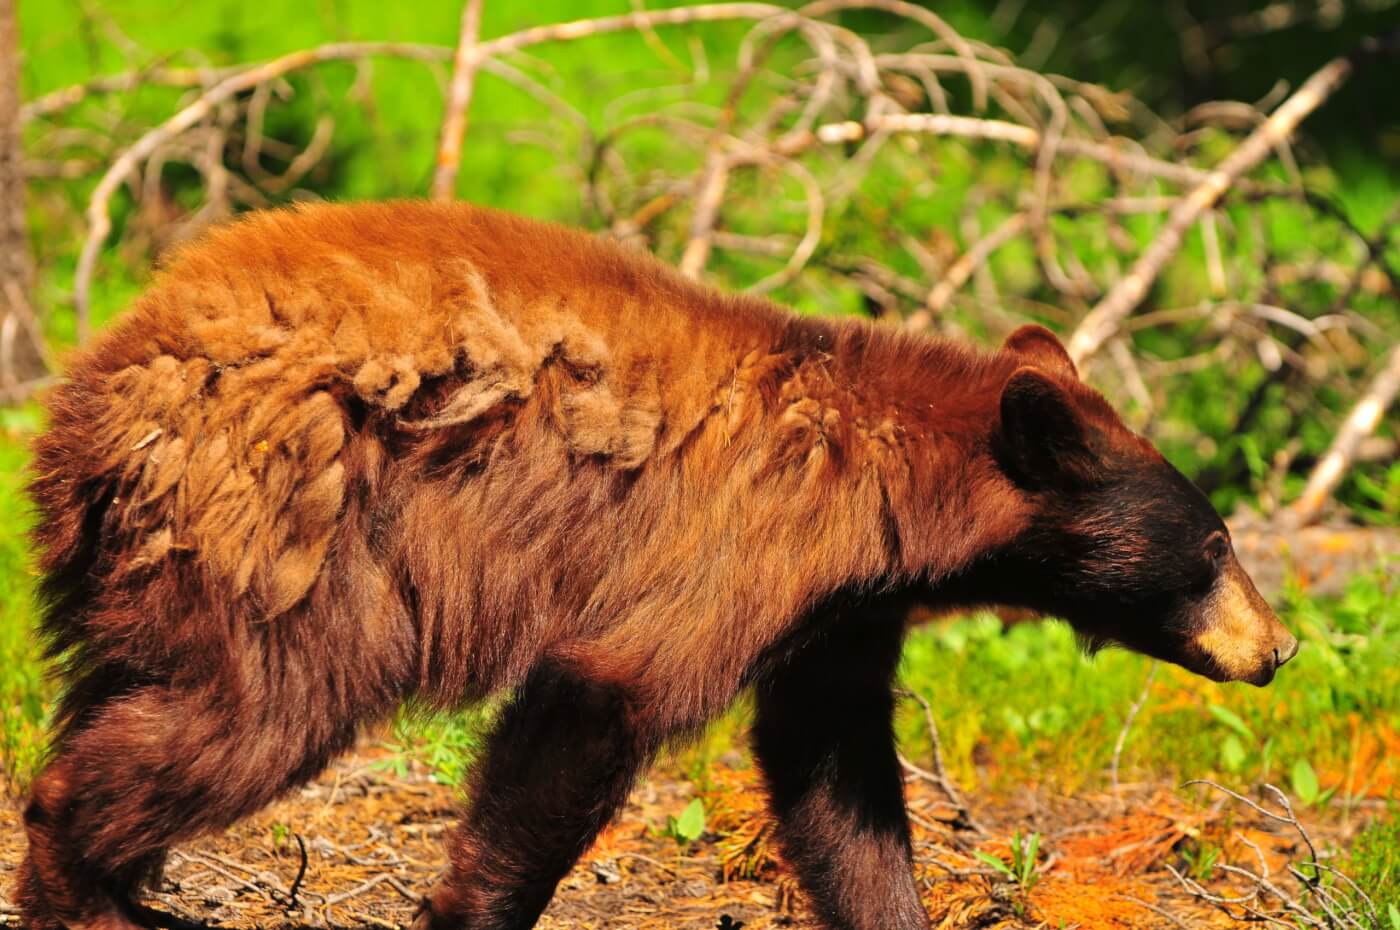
[[1241, 638]]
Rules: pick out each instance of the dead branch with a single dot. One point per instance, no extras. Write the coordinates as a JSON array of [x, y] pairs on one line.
[[1103, 321], [1360, 423], [98, 211], [65, 98], [454, 122], [939, 776], [961, 270], [1128, 722]]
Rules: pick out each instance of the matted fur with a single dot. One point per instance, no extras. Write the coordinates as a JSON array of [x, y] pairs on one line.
[[516, 437], [338, 457]]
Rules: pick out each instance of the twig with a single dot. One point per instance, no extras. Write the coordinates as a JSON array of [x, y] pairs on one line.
[[454, 122], [958, 273], [383, 878], [939, 776], [1128, 725], [1360, 423], [301, 873], [1159, 911], [1103, 321]]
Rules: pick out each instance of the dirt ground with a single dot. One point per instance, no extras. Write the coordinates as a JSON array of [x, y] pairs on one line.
[[373, 842]]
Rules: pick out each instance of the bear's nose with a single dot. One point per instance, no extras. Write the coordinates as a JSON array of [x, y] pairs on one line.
[[1287, 650]]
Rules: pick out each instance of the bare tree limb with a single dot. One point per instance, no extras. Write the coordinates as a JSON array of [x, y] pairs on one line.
[[21, 360], [958, 273], [98, 212], [1103, 321], [459, 96], [1360, 423]]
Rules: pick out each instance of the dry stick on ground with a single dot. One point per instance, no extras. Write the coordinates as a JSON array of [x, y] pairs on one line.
[[939, 776], [1128, 725], [1360, 424], [1337, 912], [459, 97], [1102, 323]]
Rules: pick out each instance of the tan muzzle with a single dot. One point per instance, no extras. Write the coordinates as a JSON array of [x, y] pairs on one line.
[[1242, 639]]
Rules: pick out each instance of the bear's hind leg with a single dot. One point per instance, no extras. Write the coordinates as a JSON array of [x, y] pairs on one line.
[[148, 769], [557, 767]]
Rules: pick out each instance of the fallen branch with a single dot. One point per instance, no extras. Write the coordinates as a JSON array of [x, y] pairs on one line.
[[961, 270], [1360, 423], [1102, 323], [98, 211], [459, 96], [939, 776], [1314, 905], [1128, 725]]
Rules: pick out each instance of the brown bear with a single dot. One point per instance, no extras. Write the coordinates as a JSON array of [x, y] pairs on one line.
[[339, 457]]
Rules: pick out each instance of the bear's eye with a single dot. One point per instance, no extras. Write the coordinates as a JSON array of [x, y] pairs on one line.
[[1217, 548]]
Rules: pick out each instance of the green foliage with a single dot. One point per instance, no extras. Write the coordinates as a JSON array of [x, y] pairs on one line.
[[1025, 697], [1373, 862], [1022, 868], [24, 693], [447, 743], [690, 825], [1305, 784], [1200, 857]]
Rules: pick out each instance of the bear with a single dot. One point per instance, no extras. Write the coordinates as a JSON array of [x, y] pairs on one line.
[[340, 457]]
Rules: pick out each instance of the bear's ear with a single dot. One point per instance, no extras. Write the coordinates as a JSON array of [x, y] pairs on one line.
[[1042, 439], [1041, 347]]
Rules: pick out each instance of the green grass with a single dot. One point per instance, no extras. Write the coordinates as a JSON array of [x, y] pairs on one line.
[[1024, 699], [1374, 863], [24, 694]]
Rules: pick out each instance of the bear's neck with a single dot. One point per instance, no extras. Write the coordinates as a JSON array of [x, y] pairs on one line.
[[916, 415]]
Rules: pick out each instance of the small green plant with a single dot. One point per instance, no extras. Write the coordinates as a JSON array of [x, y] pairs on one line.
[[690, 825], [1022, 869], [447, 743], [1305, 784], [1200, 858]]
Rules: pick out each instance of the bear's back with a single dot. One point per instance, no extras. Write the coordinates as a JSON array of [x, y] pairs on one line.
[[215, 414]]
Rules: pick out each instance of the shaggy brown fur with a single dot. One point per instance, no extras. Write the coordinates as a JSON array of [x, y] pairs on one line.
[[341, 457]]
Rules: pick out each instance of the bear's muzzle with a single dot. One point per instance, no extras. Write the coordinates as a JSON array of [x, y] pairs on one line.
[[1241, 638]]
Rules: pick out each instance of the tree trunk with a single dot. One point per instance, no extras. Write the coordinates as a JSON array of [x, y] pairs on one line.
[[20, 358]]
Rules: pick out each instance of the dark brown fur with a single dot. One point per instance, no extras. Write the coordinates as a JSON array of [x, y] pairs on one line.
[[341, 457]]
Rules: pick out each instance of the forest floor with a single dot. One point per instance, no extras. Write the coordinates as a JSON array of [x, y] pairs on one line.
[[373, 842]]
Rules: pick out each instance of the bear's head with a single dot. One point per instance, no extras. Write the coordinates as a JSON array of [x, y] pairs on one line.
[[1120, 543]]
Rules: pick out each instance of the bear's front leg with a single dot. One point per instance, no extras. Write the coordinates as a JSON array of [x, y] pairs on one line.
[[556, 768], [824, 738]]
